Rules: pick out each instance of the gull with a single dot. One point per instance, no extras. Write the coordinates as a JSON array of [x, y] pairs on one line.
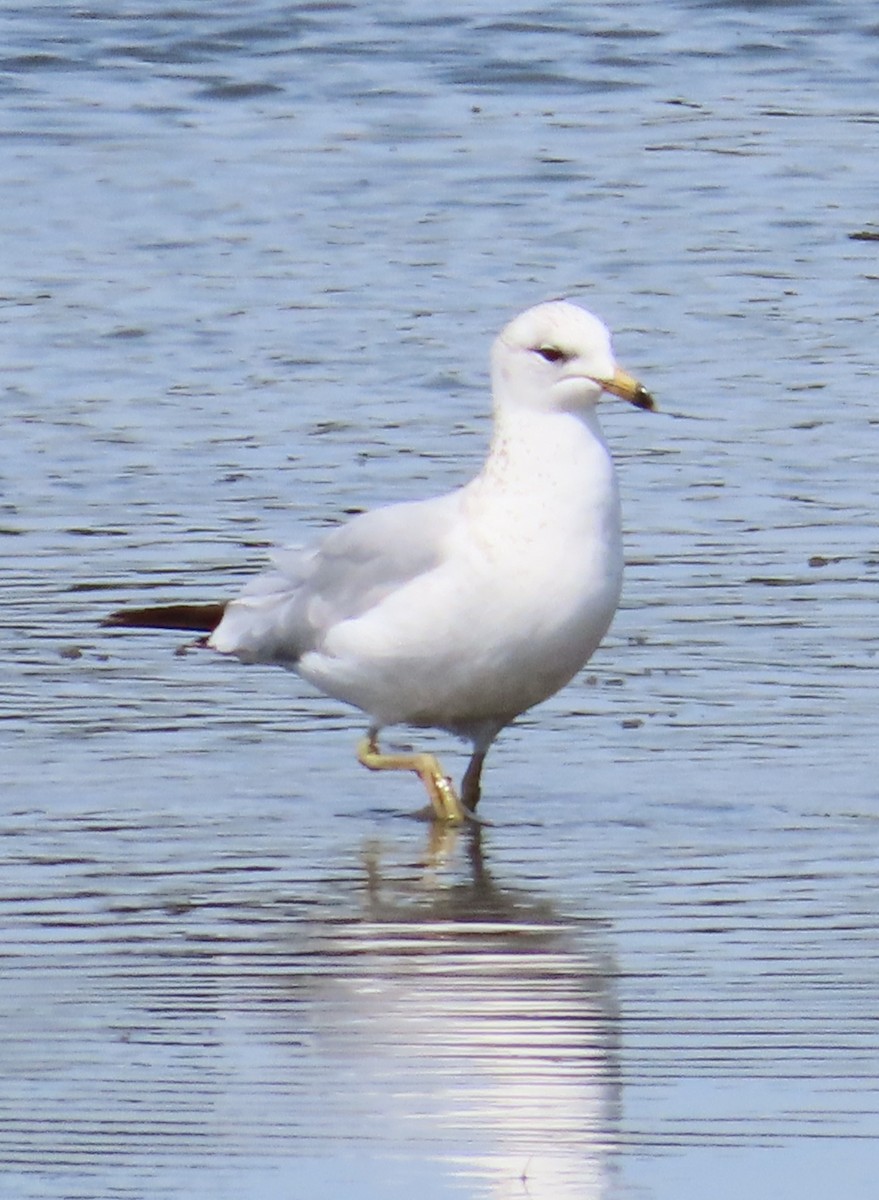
[[463, 611]]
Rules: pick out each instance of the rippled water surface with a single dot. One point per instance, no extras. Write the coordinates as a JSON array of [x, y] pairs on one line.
[[253, 256]]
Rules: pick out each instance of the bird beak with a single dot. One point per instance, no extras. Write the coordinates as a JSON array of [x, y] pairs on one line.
[[624, 385]]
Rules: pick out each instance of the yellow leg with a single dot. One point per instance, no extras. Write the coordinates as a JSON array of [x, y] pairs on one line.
[[443, 797]]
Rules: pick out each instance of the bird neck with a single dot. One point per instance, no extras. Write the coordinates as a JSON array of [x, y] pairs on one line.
[[547, 468], [559, 448]]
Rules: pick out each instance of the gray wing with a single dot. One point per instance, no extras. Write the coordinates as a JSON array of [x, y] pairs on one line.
[[287, 611]]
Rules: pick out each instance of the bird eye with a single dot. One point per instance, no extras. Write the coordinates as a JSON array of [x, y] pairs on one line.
[[551, 353]]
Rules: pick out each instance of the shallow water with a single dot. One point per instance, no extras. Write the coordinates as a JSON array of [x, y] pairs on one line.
[[251, 269]]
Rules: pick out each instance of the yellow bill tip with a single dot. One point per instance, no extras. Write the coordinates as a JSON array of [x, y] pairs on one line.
[[628, 388]]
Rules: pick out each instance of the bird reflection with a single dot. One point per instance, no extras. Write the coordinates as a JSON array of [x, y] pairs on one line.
[[480, 1025]]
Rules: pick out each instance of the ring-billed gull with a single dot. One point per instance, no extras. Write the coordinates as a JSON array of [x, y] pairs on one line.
[[463, 611]]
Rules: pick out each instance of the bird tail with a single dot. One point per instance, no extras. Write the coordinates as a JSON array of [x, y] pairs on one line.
[[199, 618]]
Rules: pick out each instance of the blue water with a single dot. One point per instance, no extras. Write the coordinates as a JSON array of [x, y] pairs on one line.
[[253, 257]]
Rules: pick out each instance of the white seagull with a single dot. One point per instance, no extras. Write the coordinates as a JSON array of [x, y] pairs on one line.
[[459, 612]]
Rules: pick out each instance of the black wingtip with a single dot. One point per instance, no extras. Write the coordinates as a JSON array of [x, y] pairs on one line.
[[198, 618]]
